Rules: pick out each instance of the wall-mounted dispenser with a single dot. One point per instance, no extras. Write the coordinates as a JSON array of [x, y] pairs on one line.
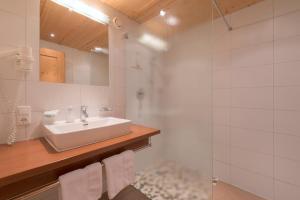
[[23, 58]]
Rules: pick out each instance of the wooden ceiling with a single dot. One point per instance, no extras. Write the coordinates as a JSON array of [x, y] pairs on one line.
[[144, 10], [190, 13], [70, 28], [77, 31]]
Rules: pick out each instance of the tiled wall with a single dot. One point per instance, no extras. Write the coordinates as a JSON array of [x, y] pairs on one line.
[[19, 22], [256, 99]]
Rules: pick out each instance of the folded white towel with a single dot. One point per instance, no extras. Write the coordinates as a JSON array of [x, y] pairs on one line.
[[73, 185], [94, 177], [82, 183], [120, 172]]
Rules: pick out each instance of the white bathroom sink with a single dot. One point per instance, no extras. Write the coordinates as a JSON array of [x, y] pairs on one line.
[[64, 136]]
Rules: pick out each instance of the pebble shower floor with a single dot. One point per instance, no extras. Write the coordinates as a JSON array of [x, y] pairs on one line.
[[170, 181]]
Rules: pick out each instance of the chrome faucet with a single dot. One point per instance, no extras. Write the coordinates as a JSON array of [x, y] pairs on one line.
[[84, 115]]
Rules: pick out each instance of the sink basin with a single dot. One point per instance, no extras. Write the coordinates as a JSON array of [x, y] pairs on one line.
[[64, 136]]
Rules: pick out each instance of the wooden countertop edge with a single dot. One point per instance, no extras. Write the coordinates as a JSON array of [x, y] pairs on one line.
[[69, 160]]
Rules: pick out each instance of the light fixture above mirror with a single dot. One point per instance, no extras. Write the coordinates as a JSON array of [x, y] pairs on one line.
[[83, 9]]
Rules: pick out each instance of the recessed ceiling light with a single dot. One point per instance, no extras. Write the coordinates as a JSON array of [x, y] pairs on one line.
[[162, 13], [52, 35]]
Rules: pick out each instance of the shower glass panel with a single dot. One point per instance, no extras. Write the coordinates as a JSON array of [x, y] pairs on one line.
[[169, 85]]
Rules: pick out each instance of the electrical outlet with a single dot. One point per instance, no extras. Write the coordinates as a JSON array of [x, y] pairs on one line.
[[23, 115]]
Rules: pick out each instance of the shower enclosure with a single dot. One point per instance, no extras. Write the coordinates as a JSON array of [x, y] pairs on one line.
[[169, 86]]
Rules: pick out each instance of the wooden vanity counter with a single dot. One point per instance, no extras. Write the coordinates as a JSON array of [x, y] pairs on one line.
[[30, 164]]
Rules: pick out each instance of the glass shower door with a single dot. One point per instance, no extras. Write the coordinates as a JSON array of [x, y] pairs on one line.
[[169, 76]]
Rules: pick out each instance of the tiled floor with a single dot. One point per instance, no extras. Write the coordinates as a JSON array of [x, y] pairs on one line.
[[170, 181], [223, 191]]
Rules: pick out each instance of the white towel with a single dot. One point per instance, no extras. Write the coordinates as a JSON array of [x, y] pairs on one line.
[[94, 177], [82, 183], [120, 172]]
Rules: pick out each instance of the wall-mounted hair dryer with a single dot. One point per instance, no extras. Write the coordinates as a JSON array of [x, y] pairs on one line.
[[23, 55]]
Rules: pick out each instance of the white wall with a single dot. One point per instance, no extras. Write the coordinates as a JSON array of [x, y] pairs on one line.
[[256, 99], [20, 26], [82, 67]]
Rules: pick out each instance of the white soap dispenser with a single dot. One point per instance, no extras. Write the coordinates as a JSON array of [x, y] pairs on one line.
[[70, 117]]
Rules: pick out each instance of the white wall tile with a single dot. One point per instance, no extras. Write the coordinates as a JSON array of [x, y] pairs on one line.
[[47, 96], [221, 42], [221, 116], [34, 130], [252, 119], [252, 161], [258, 141], [12, 94], [252, 76], [222, 171], [221, 152], [286, 191], [255, 13], [256, 55], [287, 122], [221, 134], [221, 78], [285, 6], [253, 34], [287, 98], [287, 50], [287, 25], [15, 7], [287, 146], [252, 182], [287, 171], [287, 73], [119, 96], [94, 95], [222, 60], [260, 97], [33, 9], [14, 32], [221, 97]]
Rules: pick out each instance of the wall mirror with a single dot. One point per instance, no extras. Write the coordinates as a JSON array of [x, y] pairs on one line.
[[73, 47]]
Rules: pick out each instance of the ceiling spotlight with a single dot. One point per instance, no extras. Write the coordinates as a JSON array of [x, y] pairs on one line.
[[162, 13], [52, 35]]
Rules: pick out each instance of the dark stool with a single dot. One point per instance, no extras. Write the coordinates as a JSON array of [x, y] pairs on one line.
[[128, 193]]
